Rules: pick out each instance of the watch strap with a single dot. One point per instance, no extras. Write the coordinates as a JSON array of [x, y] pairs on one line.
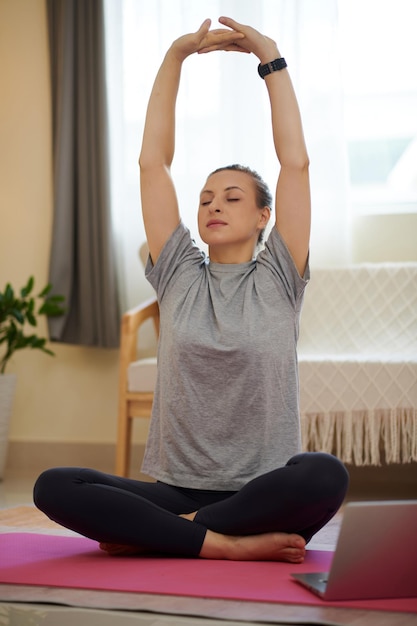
[[272, 66]]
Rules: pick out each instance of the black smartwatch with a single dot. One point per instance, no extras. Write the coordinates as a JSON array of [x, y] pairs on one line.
[[272, 66]]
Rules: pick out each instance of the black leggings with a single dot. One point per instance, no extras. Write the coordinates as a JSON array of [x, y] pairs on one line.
[[300, 497]]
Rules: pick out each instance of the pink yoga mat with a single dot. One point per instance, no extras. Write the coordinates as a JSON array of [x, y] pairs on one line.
[[76, 562]]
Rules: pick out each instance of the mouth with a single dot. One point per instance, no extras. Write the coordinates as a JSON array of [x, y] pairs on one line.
[[213, 223]]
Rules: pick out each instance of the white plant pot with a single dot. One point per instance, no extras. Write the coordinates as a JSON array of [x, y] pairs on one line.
[[7, 390]]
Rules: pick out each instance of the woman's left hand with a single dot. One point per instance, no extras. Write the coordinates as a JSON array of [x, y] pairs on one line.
[[215, 40]]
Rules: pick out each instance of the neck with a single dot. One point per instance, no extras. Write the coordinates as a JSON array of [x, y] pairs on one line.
[[231, 254]]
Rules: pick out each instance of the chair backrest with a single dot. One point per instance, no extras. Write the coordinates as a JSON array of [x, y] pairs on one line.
[[144, 253]]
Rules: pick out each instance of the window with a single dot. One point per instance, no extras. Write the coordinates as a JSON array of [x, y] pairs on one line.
[[378, 54], [352, 63]]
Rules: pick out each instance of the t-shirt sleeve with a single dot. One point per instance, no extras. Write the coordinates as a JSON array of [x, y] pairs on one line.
[[178, 252], [277, 258]]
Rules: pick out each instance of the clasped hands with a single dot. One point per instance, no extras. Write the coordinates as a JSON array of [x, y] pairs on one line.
[[236, 37]]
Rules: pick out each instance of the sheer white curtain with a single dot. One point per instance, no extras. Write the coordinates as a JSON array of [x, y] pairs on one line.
[[223, 112]]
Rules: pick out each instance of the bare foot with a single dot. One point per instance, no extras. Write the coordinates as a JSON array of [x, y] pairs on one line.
[[116, 549], [266, 547], [189, 516]]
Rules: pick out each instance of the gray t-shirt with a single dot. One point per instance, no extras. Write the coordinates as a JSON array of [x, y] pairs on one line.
[[226, 399]]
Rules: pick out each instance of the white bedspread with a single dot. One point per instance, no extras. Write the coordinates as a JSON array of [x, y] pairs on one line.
[[358, 363]]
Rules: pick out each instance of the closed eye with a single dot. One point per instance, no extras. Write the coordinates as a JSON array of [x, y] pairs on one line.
[[233, 199]]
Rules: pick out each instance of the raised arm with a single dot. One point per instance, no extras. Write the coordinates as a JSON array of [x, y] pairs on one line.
[[292, 199], [159, 201]]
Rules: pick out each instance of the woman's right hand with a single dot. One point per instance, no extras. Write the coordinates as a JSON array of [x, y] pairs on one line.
[[203, 38], [253, 41]]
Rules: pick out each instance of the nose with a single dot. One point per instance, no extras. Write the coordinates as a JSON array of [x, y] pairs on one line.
[[214, 207]]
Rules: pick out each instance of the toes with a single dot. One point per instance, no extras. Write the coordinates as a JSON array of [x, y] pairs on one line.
[[292, 555], [296, 541]]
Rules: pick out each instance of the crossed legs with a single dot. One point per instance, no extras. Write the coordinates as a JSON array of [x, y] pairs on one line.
[[270, 518]]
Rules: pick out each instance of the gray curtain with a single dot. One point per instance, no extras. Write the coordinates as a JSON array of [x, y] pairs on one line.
[[82, 265]]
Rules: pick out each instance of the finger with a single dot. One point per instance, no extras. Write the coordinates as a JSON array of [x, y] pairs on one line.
[[231, 23], [205, 27], [220, 39], [203, 30], [223, 31], [231, 48], [235, 47], [225, 34]]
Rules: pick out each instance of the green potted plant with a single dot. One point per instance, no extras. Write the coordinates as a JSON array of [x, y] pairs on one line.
[[18, 315]]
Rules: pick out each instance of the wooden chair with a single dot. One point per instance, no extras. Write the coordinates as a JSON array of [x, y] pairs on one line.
[[136, 378]]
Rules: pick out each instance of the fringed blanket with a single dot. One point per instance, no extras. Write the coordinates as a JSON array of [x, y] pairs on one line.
[[363, 437]]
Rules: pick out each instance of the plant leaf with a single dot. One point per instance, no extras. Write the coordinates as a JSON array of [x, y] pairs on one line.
[[51, 309], [18, 310], [31, 318], [45, 291], [17, 315], [25, 291], [8, 293]]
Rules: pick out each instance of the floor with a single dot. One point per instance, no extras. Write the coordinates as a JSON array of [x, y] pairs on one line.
[[16, 489]]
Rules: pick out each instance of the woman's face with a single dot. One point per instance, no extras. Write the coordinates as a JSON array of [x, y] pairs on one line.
[[228, 214]]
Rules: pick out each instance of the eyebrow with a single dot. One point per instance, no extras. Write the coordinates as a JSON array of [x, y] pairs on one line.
[[226, 189]]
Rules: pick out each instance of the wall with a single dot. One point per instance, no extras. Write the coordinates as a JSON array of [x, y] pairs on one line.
[[378, 238], [71, 397]]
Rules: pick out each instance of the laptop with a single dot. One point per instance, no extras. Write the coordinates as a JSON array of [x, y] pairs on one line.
[[375, 556]]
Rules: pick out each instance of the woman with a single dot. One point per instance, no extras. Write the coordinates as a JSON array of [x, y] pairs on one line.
[[224, 441]]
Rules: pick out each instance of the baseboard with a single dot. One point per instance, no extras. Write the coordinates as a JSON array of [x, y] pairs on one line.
[[28, 457], [391, 482]]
